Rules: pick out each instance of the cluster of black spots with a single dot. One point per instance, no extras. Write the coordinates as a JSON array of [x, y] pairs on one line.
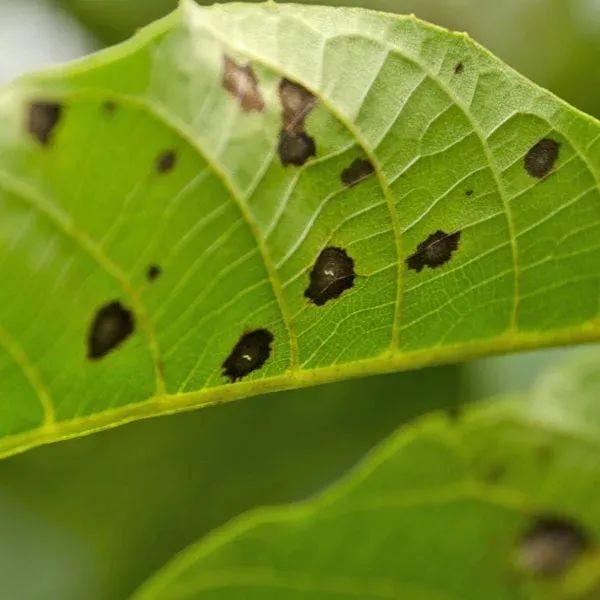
[[332, 274], [459, 68], [153, 272], [111, 326], [249, 354], [551, 545], [166, 161], [241, 83], [295, 145], [359, 170], [469, 193], [540, 158], [435, 251], [42, 118]]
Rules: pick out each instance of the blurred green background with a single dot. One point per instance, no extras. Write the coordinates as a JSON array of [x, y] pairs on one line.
[[92, 518]]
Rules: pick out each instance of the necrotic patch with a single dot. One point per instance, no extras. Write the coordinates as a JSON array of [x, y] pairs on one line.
[[359, 169], [435, 251], [295, 145], [42, 119], [459, 68], [166, 161], [153, 272], [551, 546], [540, 159], [332, 274], [249, 354], [469, 193], [111, 326], [295, 148], [242, 84]]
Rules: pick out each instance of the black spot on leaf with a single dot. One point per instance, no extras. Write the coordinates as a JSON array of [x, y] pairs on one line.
[[295, 145], [242, 84], [295, 148], [469, 193], [249, 354], [359, 169], [551, 546], [436, 250], [153, 272], [540, 159], [109, 107], [42, 119], [166, 161], [459, 68], [332, 274], [112, 325]]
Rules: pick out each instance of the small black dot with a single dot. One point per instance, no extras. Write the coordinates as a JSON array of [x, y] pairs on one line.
[[111, 326], [469, 193], [551, 545], [435, 251], [332, 274], [166, 161], [153, 272], [295, 148], [459, 68], [359, 170], [540, 159], [43, 117], [109, 107], [249, 354]]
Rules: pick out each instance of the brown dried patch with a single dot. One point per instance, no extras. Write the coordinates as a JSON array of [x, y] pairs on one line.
[[42, 118], [435, 251], [241, 83]]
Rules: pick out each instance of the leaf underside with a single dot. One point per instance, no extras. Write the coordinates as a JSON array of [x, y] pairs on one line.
[[246, 198], [493, 503]]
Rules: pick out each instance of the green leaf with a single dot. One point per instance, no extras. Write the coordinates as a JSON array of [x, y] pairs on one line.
[[495, 505], [154, 214]]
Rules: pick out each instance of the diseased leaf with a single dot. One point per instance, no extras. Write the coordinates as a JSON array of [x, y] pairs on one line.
[[370, 192], [493, 505]]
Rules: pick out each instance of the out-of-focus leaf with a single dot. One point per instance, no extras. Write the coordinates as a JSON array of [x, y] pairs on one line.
[[496, 505], [95, 517]]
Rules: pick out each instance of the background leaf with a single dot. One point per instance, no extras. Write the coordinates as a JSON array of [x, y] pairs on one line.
[[466, 508], [235, 234]]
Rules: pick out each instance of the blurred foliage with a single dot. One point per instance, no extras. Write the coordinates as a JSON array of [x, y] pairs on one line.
[[556, 43], [94, 517]]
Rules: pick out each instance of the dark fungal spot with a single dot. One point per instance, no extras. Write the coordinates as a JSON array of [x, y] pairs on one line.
[[166, 161], [359, 169], [459, 68], [436, 250], [112, 325], [42, 119], [249, 354], [332, 274], [469, 193], [295, 148], [295, 145], [540, 159], [551, 545], [109, 107], [153, 272], [242, 84]]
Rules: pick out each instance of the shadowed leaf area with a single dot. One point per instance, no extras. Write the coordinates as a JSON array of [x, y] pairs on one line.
[[494, 503], [246, 198]]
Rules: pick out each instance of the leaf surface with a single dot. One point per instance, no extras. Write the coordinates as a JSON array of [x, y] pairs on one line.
[[247, 198], [493, 505]]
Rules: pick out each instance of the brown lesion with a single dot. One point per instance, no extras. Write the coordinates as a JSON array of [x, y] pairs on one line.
[[250, 353], [296, 146], [435, 251], [111, 326], [332, 274], [541, 158], [240, 81], [358, 171], [42, 118], [166, 161]]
